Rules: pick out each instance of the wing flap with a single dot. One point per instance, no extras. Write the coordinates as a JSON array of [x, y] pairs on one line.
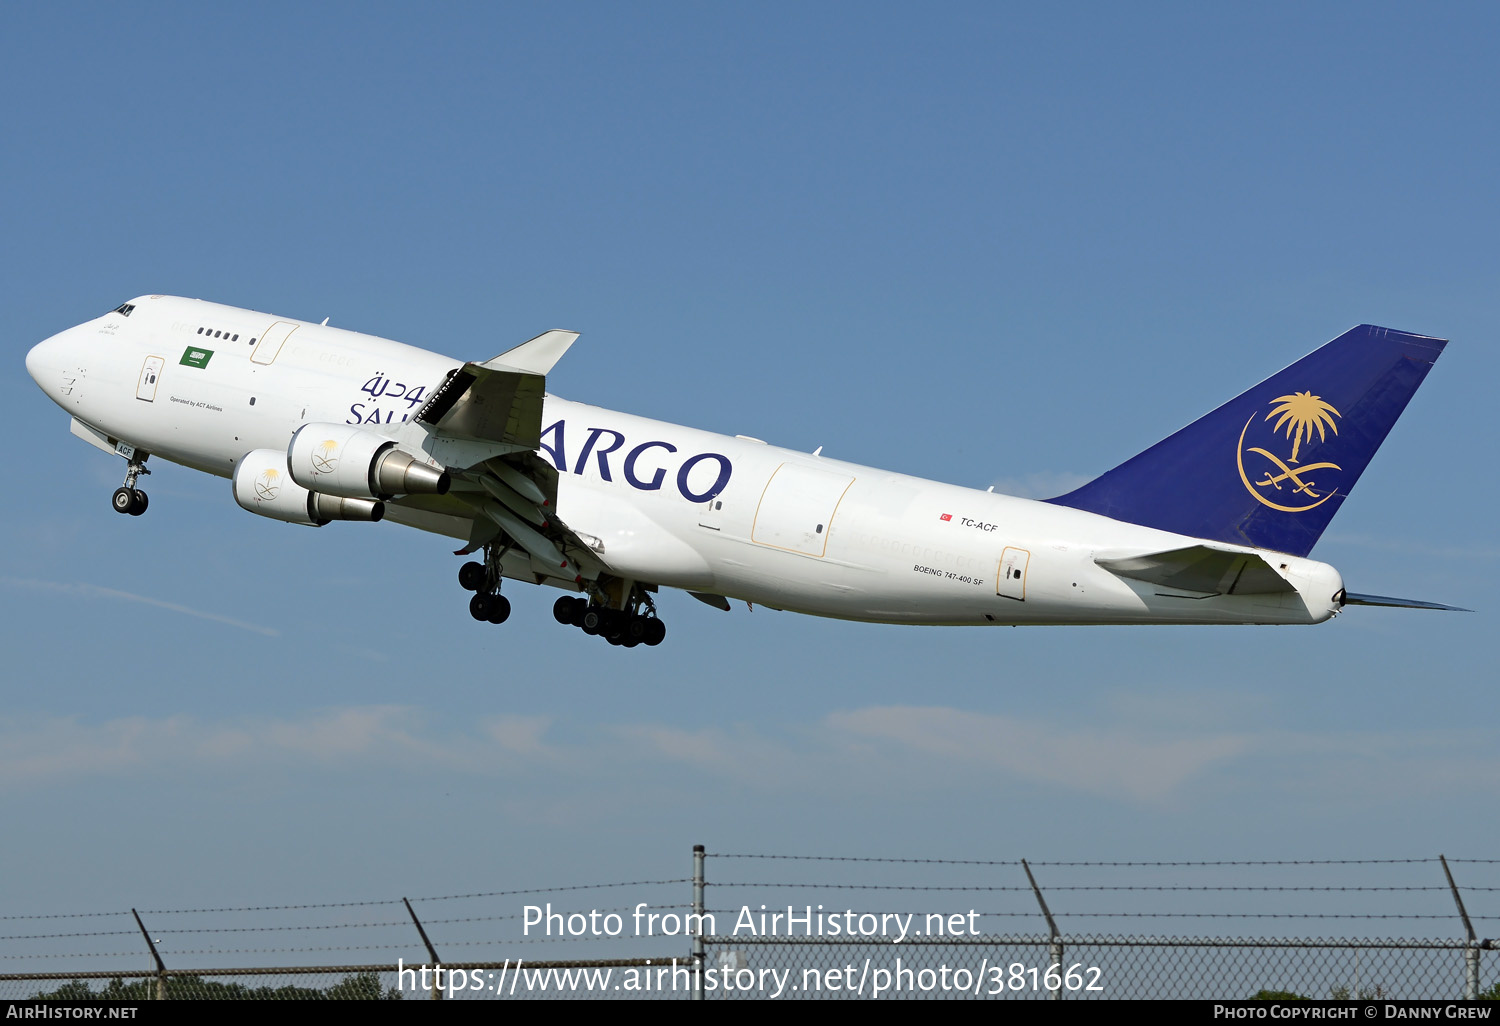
[[512, 497], [1202, 569], [499, 400]]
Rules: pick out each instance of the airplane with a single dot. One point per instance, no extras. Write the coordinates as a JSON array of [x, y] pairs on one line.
[[312, 424]]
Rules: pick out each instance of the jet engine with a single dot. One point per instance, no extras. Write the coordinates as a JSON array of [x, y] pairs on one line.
[[263, 484], [340, 459]]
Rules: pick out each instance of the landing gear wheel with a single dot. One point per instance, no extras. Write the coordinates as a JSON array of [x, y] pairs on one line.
[[592, 620], [123, 500], [499, 610], [656, 632], [479, 607], [140, 503], [614, 627], [635, 631], [565, 610], [471, 576]]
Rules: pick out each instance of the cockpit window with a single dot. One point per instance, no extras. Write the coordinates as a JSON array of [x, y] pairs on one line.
[[125, 310]]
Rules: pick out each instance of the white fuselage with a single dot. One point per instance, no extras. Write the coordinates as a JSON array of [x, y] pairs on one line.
[[785, 529]]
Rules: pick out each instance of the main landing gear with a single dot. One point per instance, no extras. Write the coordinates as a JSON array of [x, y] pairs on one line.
[[131, 499], [634, 623], [483, 579], [624, 627]]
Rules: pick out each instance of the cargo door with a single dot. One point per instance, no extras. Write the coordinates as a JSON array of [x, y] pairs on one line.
[[270, 342], [797, 508]]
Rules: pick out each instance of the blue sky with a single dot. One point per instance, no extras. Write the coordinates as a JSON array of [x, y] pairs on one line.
[[981, 243]]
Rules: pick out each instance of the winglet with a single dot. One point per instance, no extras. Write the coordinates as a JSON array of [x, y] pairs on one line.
[[537, 356]]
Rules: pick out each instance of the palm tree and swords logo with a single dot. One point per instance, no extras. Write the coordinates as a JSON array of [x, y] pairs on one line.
[[325, 457], [1299, 416], [268, 484]]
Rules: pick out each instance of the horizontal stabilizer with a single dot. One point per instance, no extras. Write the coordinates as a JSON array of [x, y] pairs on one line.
[[537, 356], [1351, 599], [1203, 569]]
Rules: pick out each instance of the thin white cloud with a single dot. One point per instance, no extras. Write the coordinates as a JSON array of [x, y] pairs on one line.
[[1110, 761], [34, 749], [855, 754], [99, 591]]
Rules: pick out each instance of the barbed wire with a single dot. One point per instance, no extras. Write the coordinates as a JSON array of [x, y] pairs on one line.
[[731, 912], [265, 908], [1088, 887], [66, 915], [413, 946], [558, 890], [337, 926], [853, 858], [138, 953], [272, 929], [1035, 914], [397, 901], [49, 936], [1033, 862]]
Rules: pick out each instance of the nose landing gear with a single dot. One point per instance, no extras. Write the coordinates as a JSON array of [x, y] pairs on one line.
[[131, 499]]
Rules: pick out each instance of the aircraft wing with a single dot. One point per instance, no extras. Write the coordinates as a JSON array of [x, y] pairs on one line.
[[1203, 569], [512, 496], [499, 400], [516, 501]]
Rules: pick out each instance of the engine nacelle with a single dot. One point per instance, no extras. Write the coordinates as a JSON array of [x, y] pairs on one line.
[[263, 484], [339, 459]]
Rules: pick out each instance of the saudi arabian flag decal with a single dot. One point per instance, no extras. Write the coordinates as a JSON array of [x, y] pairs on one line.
[[193, 357]]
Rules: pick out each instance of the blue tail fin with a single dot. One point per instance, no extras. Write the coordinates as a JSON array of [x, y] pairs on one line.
[[1271, 467]]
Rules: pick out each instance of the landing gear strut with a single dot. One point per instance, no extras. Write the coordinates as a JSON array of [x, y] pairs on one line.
[[484, 580], [131, 499], [636, 624]]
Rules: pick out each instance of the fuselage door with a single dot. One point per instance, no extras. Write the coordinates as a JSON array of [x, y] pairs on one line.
[[271, 341], [145, 388], [1012, 581], [797, 508]]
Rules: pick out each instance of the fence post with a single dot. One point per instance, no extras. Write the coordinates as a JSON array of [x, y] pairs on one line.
[[161, 969], [437, 966], [1471, 953], [1055, 949], [699, 954]]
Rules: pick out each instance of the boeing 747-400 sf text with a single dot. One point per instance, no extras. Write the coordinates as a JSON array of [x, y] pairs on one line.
[[312, 424]]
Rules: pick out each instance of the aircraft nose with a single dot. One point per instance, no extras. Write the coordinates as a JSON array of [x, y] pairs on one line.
[[47, 361], [42, 362]]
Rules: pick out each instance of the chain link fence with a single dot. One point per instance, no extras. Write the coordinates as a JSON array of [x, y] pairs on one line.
[[757, 925], [1092, 967]]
